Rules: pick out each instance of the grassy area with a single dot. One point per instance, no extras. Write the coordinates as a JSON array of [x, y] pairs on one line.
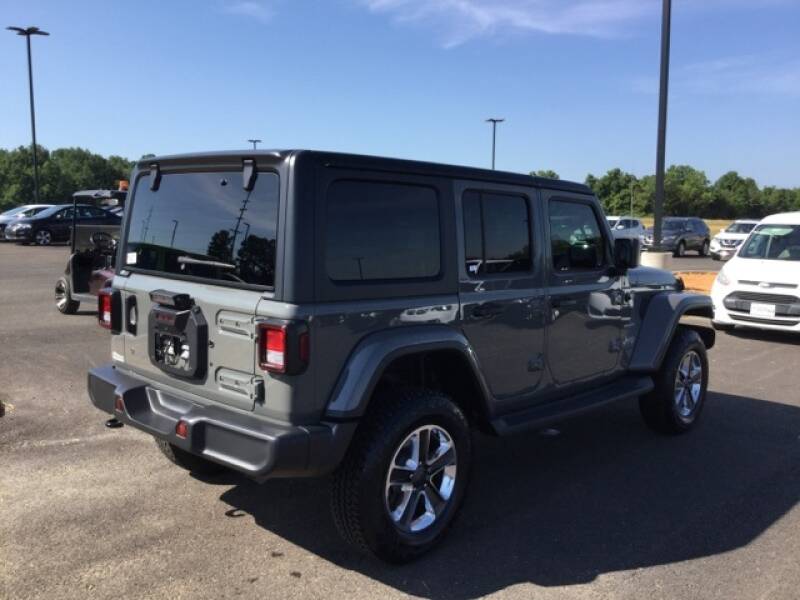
[[713, 224]]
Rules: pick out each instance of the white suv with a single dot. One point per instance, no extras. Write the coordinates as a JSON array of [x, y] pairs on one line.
[[728, 240], [760, 286], [626, 227]]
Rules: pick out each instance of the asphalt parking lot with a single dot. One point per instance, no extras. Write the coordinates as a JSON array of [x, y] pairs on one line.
[[602, 509]]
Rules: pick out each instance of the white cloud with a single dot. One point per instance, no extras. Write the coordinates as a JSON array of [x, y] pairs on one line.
[[458, 21], [253, 9], [748, 74]]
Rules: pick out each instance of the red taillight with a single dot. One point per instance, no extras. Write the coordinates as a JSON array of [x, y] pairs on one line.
[[182, 429], [283, 347], [104, 309], [273, 348]]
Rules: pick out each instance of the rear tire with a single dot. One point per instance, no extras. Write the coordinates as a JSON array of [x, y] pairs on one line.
[[677, 401], [188, 461], [63, 296], [385, 500]]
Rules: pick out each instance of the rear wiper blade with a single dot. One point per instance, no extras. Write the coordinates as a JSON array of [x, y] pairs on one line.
[[188, 260]]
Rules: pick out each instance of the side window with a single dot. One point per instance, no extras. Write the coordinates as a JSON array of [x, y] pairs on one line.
[[64, 214], [575, 238], [382, 231], [496, 233]]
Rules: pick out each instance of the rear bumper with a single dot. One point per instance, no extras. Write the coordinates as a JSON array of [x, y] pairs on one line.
[[241, 441]]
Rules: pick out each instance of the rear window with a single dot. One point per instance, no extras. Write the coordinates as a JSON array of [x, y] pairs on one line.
[[381, 231], [205, 225]]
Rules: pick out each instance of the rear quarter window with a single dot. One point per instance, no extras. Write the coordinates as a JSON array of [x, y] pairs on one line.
[[378, 231]]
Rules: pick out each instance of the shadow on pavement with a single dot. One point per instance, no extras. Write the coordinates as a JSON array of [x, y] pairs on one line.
[[605, 495], [766, 335]]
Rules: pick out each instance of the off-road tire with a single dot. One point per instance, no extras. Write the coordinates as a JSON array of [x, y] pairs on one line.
[[64, 303], [358, 495], [188, 461], [659, 408]]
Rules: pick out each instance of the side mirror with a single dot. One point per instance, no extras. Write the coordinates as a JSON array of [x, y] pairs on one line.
[[626, 253]]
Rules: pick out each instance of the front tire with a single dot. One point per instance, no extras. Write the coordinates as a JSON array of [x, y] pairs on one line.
[[404, 476], [63, 296], [680, 249], [43, 237], [705, 248], [677, 401], [188, 461]]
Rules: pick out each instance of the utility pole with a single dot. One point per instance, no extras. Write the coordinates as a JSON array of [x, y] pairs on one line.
[[658, 208], [254, 142], [494, 123], [27, 32]]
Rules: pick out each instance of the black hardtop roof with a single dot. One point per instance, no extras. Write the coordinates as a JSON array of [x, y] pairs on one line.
[[339, 159]]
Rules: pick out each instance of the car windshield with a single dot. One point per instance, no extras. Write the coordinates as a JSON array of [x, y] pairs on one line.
[[673, 224], [51, 210], [13, 211], [773, 242], [740, 228], [205, 225]]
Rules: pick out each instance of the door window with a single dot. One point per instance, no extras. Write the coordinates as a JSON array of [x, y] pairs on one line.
[[496, 233], [575, 237]]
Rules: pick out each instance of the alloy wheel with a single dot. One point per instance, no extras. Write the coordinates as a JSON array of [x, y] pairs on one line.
[[61, 295], [688, 385], [43, 238], [421, 478]]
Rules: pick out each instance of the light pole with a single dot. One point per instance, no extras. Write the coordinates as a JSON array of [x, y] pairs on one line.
[[494, 123], [254, 142], [658, 207], [28, 32]]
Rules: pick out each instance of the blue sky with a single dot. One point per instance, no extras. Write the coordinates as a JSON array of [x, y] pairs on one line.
[[575, 79]]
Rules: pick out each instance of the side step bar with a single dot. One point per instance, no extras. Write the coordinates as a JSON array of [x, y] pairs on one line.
[[558, 410]]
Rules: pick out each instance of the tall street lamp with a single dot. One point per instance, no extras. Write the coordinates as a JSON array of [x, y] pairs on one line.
[[494, 123], [658, 208], [28, 32], [254, 142]]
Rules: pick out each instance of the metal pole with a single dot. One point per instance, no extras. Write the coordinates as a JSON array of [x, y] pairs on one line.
[[494, 141], [254, 142], [33, 123], [494, 123], [658, 207]]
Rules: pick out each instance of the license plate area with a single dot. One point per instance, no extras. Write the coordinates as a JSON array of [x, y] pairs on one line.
[[765, 311]]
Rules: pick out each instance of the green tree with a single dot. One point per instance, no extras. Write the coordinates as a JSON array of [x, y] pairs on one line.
[[616, 189], [546, 173]]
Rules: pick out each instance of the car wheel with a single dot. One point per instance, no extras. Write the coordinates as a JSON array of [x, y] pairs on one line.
[[187, 460], [404, 476], [43, 237], [63, 296], [680, 249], [677, 401], [704, 248]]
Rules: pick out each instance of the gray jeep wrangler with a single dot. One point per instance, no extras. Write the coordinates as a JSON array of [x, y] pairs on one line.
[[299, 313]]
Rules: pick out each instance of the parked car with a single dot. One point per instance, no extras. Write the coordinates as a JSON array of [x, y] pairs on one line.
[[54, 224], [680, 234], [760, 286], [20, 212], [627, 227], [297, 313], [727, 241], [90, 266]]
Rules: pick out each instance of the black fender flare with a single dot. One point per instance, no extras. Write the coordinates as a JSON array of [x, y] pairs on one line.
[[662, 317], [375, 352]]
